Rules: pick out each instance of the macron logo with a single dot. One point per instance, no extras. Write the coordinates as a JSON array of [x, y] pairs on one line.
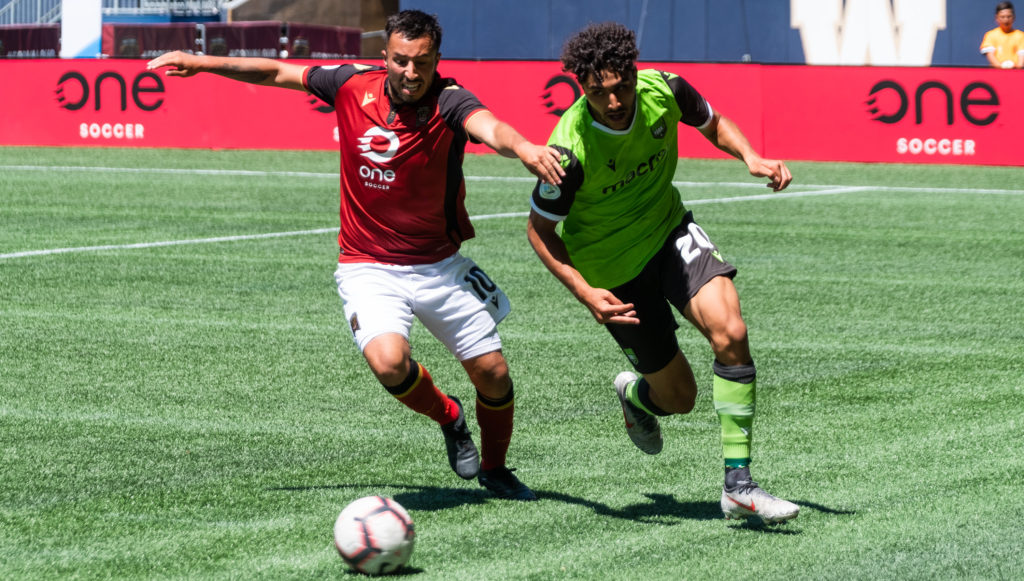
[[372, 144], [368, 98]]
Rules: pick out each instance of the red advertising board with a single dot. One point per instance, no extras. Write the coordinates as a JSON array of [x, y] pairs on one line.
[[912, 115], [866, 114]]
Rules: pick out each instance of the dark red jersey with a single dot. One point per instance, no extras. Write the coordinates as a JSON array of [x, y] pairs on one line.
[[402, 188]]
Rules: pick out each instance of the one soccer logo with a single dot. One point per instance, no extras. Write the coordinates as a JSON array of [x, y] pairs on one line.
[[372, 148]]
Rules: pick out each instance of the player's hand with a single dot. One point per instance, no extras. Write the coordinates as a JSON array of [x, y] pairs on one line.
[[542, 161], [607, 308], [773, 169], [183, 64]]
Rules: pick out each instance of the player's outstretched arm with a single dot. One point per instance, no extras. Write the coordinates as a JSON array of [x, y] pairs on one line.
[[603, 305], [542, 161], [726, 135], [258, 71]]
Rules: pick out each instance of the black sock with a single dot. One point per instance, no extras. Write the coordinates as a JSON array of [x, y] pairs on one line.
[[643, 393], [734, 476]]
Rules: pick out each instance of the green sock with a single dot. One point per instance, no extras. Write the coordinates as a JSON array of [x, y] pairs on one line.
[[733, 391]]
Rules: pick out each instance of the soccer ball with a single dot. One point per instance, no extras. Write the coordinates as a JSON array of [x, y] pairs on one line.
[[374, 535]]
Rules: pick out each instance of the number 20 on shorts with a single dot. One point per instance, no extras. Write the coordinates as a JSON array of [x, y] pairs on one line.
[[690, 246]]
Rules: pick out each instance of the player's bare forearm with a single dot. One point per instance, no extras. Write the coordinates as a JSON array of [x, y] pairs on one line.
[[726, 136], [553, 254], [542, 161], [604, 306], [257, 71]]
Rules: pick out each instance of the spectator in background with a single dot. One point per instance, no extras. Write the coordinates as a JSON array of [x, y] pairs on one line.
[[1003, 46]]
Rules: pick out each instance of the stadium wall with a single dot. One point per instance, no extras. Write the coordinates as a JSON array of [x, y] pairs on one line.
[[840, 32], [825, 113]]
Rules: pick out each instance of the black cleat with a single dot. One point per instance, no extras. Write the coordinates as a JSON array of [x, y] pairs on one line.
[[462, 453], [504, 484]]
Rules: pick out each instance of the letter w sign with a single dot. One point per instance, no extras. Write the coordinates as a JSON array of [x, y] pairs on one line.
[[868, 32]]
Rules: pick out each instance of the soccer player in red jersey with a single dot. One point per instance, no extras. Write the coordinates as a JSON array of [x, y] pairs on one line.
[[403, 130]]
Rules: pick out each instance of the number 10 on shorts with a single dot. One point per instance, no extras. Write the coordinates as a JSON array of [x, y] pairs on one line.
[[488, 292]]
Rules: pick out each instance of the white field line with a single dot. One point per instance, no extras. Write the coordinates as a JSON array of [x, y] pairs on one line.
[[521, 179], [167, 171], [819, 192], [164, 243], [816, 190]]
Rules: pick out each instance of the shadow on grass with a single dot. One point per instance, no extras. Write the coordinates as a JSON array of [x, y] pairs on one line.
[[405, 571], [662, 508], [756, 525], [433, 498], [822, 508]]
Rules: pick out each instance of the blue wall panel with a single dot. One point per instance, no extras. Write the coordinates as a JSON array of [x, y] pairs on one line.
[[726, 30], [966, 24], [668, 30], [771, 38], [688, 36], [509, 30], [654, 27], [568, 17], [458, 20]]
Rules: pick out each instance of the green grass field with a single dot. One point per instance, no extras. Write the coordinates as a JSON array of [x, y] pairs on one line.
[[180, 398]]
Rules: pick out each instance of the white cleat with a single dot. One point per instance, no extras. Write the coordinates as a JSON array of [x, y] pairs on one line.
[[642, 427], [748, 499]]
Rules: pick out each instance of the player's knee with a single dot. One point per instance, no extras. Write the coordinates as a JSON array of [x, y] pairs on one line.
[[688, 404], [491, 379], [678, 396], [390, 368], [731, 340], [493, 384], [685, 400]]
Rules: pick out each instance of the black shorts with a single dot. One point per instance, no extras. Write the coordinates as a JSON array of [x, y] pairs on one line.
[[686, 262]]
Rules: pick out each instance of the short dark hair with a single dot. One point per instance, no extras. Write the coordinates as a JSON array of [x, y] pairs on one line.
[[413, 24], [1005, 6], [608, 46]]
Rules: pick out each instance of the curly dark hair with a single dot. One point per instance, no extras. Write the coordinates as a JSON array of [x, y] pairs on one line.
[[414, 24], [608, 46]]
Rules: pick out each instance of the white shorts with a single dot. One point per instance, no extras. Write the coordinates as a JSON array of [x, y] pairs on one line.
[[453, 298]]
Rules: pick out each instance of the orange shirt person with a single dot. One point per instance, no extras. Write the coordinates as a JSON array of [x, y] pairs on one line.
[[1003, 46]]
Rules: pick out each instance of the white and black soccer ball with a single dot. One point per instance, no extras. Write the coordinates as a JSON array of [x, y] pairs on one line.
[[374, 535]]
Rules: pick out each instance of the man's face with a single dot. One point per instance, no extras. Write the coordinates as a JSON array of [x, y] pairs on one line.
[[1005, 20], [612, 98], [411, 65]]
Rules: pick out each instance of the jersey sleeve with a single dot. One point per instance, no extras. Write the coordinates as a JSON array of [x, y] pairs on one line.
[[553, 201], [987, 45], [456, 105], [324, 82], [695, 109]]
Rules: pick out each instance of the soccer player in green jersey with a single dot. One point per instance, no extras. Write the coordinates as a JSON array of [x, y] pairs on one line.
[[628, 248]]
